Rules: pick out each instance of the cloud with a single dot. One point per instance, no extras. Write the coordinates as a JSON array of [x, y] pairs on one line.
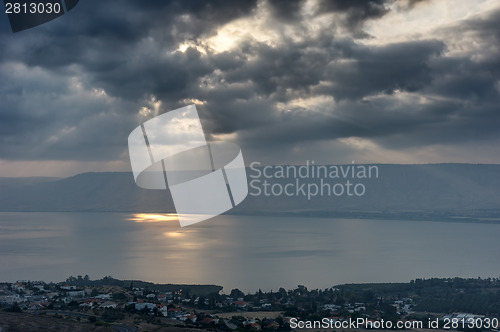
[[286, 10], [290, 75], [355, 12]]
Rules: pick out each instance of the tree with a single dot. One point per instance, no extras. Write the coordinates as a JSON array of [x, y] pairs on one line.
[[368, 296], [119, 296], [73, 303], [14, 308], [236, 293]]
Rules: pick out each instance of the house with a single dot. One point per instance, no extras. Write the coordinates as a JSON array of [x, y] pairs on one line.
[[108, 305], [165, 297], [76, 293], [39, 287], [272, 325], [93, 301], [240, 304], [52, 294], [145, 305], [103, 296], [253, 325], [35, 306], [162, 298], [175, 312], [11, 299], [68, 287], [230, 325], [330, 307], [18, 286], [164, 311], [207, 320], [185, 317]]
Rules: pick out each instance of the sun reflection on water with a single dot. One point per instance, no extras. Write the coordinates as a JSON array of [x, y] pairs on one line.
[[150, 218], [174, 234]]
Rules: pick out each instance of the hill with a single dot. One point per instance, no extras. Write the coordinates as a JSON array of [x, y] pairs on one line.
[[446, 190]]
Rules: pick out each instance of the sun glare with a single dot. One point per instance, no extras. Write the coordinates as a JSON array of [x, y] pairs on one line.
[[173, 234], [184, 47], [149, 218]]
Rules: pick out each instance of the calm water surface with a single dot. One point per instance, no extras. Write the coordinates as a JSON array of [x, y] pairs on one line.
[[242, 251]]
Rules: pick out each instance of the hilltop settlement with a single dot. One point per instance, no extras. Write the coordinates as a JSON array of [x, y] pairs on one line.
[[118, 305]]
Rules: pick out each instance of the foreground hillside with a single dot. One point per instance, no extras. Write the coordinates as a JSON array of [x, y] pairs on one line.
[[81, 304]]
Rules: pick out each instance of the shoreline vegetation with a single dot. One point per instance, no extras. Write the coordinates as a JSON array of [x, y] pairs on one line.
[[109, 304]]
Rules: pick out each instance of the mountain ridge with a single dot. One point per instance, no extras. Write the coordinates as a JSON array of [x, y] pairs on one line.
[[426, 188]]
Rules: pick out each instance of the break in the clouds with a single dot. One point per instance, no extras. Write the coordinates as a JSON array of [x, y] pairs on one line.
[[289, 81]]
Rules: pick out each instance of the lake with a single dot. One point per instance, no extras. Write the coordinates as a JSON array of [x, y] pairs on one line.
[[243, 252]]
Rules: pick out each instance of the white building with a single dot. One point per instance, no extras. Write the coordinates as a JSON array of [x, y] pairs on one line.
[[140, 306], [108, 305]]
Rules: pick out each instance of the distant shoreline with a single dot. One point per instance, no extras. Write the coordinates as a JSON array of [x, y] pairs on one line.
[[485, 217]]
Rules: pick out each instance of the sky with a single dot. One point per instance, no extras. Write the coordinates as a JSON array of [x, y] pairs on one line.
[[334, 81]]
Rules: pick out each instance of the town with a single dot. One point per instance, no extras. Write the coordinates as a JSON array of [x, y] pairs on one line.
[[116, 305]]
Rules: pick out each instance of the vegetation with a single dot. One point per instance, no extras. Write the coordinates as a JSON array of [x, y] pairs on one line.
[[199, 290], [104, 302]]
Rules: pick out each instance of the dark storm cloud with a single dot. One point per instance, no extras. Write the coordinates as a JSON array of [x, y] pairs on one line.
[[104, 46], [286, 10], [356, 12], [73, 91], [454, 98], [112, 29], [402, 66], [44, 117], [300, 69]]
